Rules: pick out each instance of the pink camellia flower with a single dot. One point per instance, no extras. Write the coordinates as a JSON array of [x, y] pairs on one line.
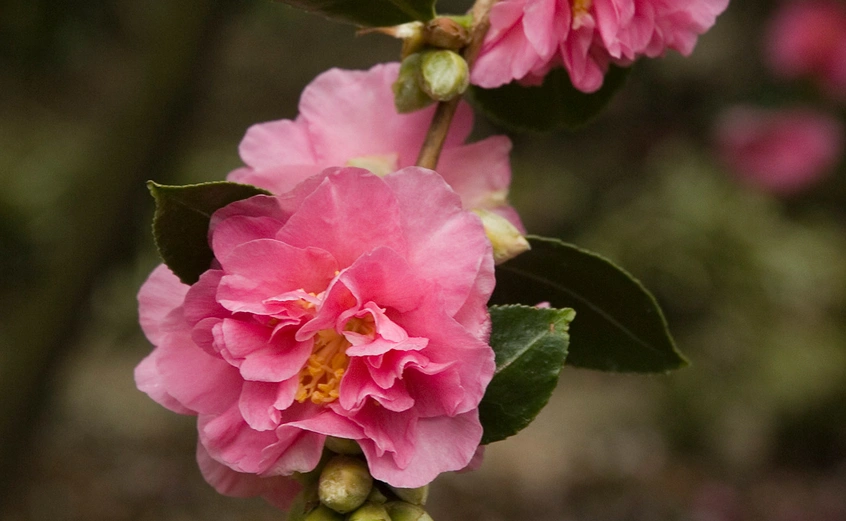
[[780, 151], [353, 306], [348, 118], [529, 37], [808, 38]]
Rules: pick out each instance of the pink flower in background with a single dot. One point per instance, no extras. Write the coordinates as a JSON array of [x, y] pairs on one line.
[[808, 38], [352, 306], [529, 37], [781, 151], [348, 118]]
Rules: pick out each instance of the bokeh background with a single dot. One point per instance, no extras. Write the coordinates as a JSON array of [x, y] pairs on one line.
[[98, 96]]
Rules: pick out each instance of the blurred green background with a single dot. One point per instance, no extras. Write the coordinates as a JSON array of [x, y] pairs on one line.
[[98, 96]]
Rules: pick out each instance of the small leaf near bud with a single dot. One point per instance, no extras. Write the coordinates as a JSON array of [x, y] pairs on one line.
[[416, 496], [344, 484], [443, 75], [370, 512], [445, 33], [402, 511], [506, 239], [323, 513], [408, 95]]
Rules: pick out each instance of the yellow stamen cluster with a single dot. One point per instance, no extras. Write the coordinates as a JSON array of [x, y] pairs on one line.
[[321, 376], [320, 379]]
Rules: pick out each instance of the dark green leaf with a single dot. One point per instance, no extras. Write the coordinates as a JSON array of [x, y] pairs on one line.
[[554, 104], [181, 222], [620, 326], [372, 13], [530, 346]]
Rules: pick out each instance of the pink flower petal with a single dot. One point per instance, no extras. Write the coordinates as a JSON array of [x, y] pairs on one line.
[[160, 294], [279, 491]]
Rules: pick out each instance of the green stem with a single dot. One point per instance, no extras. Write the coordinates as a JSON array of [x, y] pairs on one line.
[[430, 152]]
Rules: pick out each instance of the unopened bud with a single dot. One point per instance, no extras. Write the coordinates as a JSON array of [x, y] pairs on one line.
[[443, 75], [370, 512], [324, 513], [344, 445], [402, 511], [506, 239], [408, 95], [344, 484], [417, 496], [445, 33]]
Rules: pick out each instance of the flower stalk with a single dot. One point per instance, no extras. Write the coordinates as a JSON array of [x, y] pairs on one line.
[[430, 152]]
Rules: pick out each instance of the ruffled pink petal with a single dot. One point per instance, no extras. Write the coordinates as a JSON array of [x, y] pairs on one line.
[[200, 382], [263, 269], [159, 295], [229, 440], [446, 244], [431, 456], [297, 450], [279, 491], [350, 213], [358, 386], [148, 381], [449, 342], [260, 358], [506, 55]]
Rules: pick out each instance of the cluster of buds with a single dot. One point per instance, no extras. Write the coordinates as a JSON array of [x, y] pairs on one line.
[[342, 489], [432, 67]]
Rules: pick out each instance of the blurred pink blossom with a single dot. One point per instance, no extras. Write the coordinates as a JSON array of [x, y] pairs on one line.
[[353, 306], [348, 118], [781, 151], [529, 37], [808, 39]]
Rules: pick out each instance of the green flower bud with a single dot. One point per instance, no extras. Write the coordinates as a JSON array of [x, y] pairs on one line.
[[344, 445], [443, 75], [370, 512], [446, 33], [506, 239], [344, 484], [408, 95], [416, 496], [323, 513], [402, 511]]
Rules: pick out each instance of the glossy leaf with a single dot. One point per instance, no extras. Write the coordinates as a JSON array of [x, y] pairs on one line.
[[620, 326], [530, 346], [371, 13], [552, 105], [181, 222]]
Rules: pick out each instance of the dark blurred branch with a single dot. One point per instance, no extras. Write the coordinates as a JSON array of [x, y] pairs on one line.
[[101, 213]]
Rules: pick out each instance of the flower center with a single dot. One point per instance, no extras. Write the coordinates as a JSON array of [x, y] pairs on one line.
[[580, 10], [320, 379], [378, 164]]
